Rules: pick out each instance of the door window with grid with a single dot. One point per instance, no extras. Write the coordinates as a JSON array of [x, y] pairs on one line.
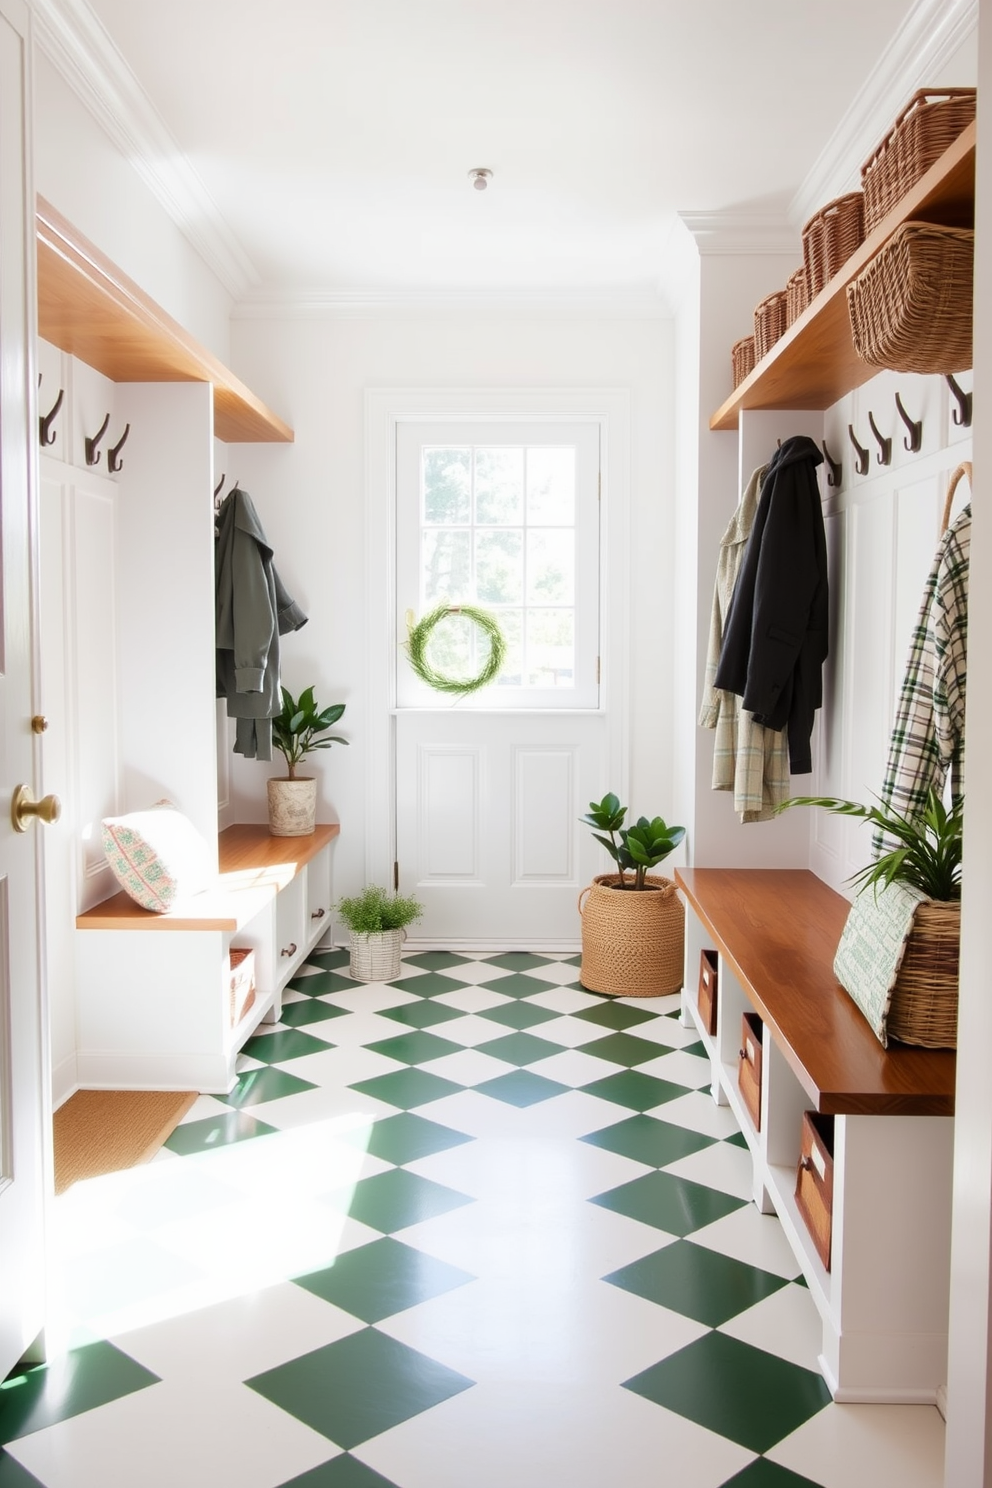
[[504, 517]]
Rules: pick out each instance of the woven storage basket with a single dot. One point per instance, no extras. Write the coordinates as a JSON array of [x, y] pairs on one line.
[[927, 126], [830, 237], [911, 306], [742, 359], [796, 295], [633, 943], [376, 958], [924, 1007], [769, 322]]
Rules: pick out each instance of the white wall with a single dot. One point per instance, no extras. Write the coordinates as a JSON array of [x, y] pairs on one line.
[[311, 499]]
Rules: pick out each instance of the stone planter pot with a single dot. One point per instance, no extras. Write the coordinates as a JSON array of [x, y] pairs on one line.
[[376, 958], [633, 943], [292, 807]]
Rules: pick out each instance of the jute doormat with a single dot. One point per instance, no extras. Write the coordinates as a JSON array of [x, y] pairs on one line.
[[104, 1131]]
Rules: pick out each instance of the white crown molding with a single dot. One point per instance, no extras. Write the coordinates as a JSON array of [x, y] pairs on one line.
[[930, 35], [308, 304], [73, 39], [734, 231]]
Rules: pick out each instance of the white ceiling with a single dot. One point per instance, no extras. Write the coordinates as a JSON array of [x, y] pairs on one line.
[[335, 136]]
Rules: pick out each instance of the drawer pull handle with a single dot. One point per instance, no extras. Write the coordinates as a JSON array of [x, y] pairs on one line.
[[318, 914], [741, 1054], [289, 950], [806, 1164]]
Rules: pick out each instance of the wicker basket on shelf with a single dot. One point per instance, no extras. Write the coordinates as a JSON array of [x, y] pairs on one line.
[[924, 1006], [769, 322], [742, 359], [927, 126], [796, 295], [830, 237], [911, 306]]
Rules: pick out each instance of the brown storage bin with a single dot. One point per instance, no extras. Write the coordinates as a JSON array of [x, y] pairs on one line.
[[911, 306], [742, 359], [815, 1180], [749, 1066], [927, 126], [796, 295], [706, 996], [830, 237], [241, 983], [769, 322]]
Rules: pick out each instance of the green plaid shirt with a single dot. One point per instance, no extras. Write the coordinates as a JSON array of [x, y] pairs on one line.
[[928, 736]]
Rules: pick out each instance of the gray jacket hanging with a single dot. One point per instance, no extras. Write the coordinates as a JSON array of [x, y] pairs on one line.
[[252, 610]]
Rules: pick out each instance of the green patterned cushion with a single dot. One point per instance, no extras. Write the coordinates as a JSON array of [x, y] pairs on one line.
[[872, 947], [157, 855]]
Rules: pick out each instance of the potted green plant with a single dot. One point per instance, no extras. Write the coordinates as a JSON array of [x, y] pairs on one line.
[[298, 729], [377, 923], [898, 956], [633, 929]]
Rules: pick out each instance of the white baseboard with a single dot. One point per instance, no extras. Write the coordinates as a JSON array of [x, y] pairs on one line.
[[65, 1081]]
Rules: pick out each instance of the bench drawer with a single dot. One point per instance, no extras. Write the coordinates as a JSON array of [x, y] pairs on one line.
[[706, 996], [749, 1066], [815, 1180]]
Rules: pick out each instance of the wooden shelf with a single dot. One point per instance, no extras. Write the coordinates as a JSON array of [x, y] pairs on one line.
[[89, 308], [254, 866], [779, 929], [815, 363]]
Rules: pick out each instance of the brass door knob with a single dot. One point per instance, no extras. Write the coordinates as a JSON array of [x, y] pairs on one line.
[[24, 808]]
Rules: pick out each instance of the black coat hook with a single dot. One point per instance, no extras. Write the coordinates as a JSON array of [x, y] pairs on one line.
[[835, 470], [884, 445], [219, 486], [114, 462], [962, 414], [45, 431], [861, 463], [92, 453], [914, 440]]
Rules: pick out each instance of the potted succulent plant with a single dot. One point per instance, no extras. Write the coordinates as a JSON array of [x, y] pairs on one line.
[[298, 729], [633, 929], [376, 921]]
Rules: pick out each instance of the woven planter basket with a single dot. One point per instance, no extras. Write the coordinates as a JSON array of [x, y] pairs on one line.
[[796, 295], [769, 322], [376, 958], [742, 359], [911, 306], [924, 1007], [633, 944], [830, 237], [927, 126]]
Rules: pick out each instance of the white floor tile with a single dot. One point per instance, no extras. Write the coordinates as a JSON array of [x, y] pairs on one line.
[[866, 1446], [471, 1031], [370, 997], [474, 972], [325, 1104], [468, 1067], [723, 1166], [698, 1112], [358, 1028], [472, 999], [680, 1068], [574, 1068], [565, 999], [786, 1323], [558, 973], [571, 1033], [344, 1066], [528, 1176], [748, 1235]]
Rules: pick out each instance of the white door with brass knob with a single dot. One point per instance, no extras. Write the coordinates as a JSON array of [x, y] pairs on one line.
[[25, 1121]]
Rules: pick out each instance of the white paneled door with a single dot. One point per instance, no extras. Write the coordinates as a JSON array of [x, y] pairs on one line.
[[490, 787]]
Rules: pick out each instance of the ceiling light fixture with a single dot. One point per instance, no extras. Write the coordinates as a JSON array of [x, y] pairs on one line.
[[480, 177]]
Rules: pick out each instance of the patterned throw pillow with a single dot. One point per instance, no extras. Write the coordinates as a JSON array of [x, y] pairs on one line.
[[157, 855]]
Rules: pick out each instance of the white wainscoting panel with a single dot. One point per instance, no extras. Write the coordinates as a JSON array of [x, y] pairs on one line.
[[93, 636], [448, 809], [544, 812]]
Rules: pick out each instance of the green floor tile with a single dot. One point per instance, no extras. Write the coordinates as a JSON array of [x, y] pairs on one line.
[[698, 1049], [13, 1475], [265, 1084], [519, 1015], [344, 1471], [517, 961], [330, 959], [669, 1203], [632, 1089], [698, 1283], [358, 1387], [518, 985], [310, 1010], [291, 1043], [570, 960], [216, 1131], [764, 1474], [520, 1049], [647, 1139], [737, 1139], [404, 1138], [394, 1200], [416, 1047], [407, 1088], [754, 1398], [521, 1088], [614, 1015], [323, 983], [425, 1014], [624, 1048], [75, 1382], [430, 984], [436, 960], [379, 1280]]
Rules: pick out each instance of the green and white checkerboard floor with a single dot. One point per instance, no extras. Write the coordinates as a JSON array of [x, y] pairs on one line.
[[470, 1229]]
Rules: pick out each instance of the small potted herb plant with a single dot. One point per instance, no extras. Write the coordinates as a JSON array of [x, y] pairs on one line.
[[298, 729], [377, 923]]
